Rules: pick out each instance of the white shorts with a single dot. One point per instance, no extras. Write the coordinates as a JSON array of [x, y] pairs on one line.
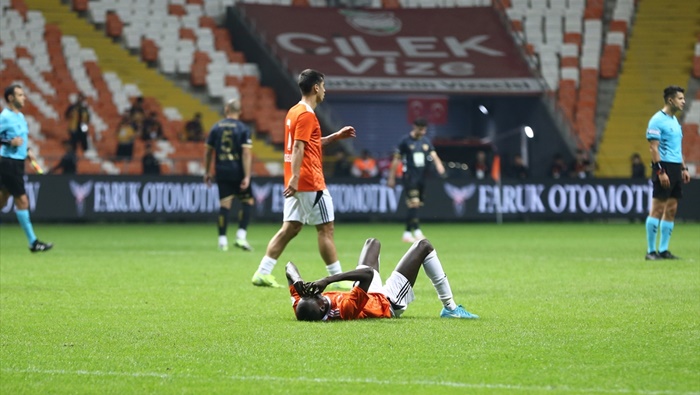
[[312, 208], [397, 289]]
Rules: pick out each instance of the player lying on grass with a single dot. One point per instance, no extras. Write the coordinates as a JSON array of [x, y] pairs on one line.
[[368, 298]]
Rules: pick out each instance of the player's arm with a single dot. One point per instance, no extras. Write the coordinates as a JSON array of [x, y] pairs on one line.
[[345, 133], [685, 174], [391, 178], [363, 275], [297, 155], [208, 155], [656, 163], [438, 163], [247, 164]]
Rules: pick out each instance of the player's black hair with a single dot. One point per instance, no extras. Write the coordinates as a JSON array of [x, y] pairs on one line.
[[10, 91], [307, 79], [671, 91], [307, 310], [420, 122]]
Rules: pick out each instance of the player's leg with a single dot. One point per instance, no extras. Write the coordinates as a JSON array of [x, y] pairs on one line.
[[22, 213], [13, 180], [244, 214], [225, 201], [669, 215], [412, 204], [83, 141], [417, 233], [369, 256], [660, 196], [666, 228], [319, 206], [422, 253], [291, 226]]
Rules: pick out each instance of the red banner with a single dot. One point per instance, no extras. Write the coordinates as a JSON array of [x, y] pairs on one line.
[[404, 50], [433, 109]]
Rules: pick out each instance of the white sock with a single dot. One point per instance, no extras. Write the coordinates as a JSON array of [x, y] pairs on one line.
[[433, 268], [418, 233], [407, 235], [223, 240], [241, 234], [266, 265], [334, 268]]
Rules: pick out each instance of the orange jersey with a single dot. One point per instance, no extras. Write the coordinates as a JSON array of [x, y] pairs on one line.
[[301, 124], [353, 305]]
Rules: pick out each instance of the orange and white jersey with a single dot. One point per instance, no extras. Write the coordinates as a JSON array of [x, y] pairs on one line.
[[353, 305], [301, 124]]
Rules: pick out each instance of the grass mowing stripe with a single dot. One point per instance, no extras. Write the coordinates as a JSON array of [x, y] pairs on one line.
[[346, 380]]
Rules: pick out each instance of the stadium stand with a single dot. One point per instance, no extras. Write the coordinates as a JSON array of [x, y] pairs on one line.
[[657, 55], [569, 40], [53, 67], [565, 39]]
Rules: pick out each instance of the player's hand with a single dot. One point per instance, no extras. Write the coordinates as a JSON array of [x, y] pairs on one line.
[[292, 187], [390, 182], [16, 142], [245, 183], [665, 182], [685, 174], [316, 287], [207, 179], [346, 132]]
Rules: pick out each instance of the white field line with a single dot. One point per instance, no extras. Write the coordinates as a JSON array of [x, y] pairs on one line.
[[427, 383]]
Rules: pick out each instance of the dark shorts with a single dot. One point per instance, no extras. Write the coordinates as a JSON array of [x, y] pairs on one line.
[[675, 176], [12, 176], [413, 189], [229, 188]]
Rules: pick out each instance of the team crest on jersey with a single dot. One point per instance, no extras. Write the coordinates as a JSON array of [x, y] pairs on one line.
[[410, 146]]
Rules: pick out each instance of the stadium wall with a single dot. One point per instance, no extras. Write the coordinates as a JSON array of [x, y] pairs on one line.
[[170, 198]]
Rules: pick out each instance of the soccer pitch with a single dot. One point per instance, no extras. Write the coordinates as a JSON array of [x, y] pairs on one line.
[[141, 309]]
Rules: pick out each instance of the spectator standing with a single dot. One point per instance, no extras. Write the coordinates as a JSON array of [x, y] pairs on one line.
[[342, 166], [78, 117], [481, 168], [365, 166], [152, 128], [149, 161], [137, 110], [558, 167], [581, 166], [638, 168], [194, 130], [126, 134], [68, 163], [417, 154], [518, 169]]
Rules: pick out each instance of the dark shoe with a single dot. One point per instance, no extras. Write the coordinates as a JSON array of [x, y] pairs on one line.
[[40, 246], [652, 256], [667, 255]]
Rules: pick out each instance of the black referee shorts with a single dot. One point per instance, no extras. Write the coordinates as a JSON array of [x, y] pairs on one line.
[[12, 176], [675, 176]]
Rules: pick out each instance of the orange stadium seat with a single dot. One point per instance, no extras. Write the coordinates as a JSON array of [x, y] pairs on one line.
[[114, 25], [80, 5]]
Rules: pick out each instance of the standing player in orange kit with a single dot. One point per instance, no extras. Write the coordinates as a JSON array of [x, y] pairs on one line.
[[307, 200]]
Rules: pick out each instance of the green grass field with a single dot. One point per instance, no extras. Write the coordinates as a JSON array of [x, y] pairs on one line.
[[139, 309]]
